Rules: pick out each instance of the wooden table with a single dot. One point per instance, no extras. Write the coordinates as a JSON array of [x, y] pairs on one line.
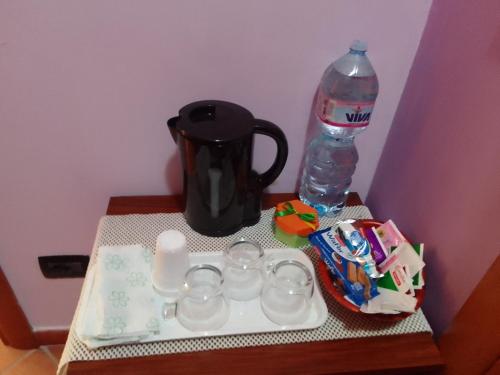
[[408, 354]]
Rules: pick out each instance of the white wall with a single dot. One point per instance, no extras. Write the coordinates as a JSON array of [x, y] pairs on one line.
[[86, 88]]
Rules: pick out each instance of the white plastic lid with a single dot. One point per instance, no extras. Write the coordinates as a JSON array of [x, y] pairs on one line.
[[171, 241], [358, 45]]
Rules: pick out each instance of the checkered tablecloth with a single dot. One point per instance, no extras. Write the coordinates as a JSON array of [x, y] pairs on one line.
[[143, 229]]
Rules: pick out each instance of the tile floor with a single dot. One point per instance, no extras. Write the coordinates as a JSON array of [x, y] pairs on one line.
[[42, 361]]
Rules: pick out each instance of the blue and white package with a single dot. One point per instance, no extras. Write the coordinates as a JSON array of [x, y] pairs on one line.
[[344, 265]]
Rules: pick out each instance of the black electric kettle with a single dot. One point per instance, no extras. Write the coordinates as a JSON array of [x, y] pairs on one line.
[[221, 191]]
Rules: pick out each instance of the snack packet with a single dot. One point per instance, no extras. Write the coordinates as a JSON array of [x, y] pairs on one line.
[[347, 271], [359, 247]]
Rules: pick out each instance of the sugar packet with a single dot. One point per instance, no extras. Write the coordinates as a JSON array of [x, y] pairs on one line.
[[398, 279], [390, 235], [379, 253], [418, 279], [404, 254], [389, 302]]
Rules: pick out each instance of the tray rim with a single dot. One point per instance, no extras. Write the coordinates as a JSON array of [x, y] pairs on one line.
[[318, 302]]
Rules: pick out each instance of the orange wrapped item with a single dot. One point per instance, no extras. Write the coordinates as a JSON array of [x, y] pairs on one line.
[[293, 222]]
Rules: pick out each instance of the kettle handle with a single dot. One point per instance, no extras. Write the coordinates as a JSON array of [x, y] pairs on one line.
[[268, 128], [172, 126]]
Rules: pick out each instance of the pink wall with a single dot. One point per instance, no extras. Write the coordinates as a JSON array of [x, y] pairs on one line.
[[439, 175], [86, 87]]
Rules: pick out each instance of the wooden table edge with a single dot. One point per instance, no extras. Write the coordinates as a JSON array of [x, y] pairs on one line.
[[372, 355], [150, 204]]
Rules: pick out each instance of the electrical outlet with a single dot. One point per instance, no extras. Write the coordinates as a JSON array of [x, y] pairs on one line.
[[63, 266]]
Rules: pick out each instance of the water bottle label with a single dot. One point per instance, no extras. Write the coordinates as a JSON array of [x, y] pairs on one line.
[[344, 114]]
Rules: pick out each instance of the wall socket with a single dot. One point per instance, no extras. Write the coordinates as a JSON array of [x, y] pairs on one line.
[[63, 266]]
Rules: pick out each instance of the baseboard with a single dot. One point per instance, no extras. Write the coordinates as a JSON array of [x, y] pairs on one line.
[[16, 331], [51, 337]]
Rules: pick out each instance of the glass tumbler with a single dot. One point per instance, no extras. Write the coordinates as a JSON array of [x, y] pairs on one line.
[[243, 278], [287, 292], [202, 306]]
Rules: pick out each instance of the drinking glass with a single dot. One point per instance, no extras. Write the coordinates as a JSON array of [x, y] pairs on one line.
[[287, 292], [202, 306], [243, 261]]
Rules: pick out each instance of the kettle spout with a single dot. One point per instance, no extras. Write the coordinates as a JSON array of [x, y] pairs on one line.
[[172, 126]]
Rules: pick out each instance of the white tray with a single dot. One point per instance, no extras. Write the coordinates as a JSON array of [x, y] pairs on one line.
[[244, 317]]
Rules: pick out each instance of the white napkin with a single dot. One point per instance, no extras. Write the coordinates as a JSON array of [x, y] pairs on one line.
[[120, 301]]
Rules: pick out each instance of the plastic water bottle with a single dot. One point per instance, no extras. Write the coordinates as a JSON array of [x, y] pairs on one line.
[[344, 103]]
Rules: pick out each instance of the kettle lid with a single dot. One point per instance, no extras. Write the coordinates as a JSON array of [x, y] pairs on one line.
[[214, 121]]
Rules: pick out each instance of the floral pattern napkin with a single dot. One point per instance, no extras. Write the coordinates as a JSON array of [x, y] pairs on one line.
[[121, 302]]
